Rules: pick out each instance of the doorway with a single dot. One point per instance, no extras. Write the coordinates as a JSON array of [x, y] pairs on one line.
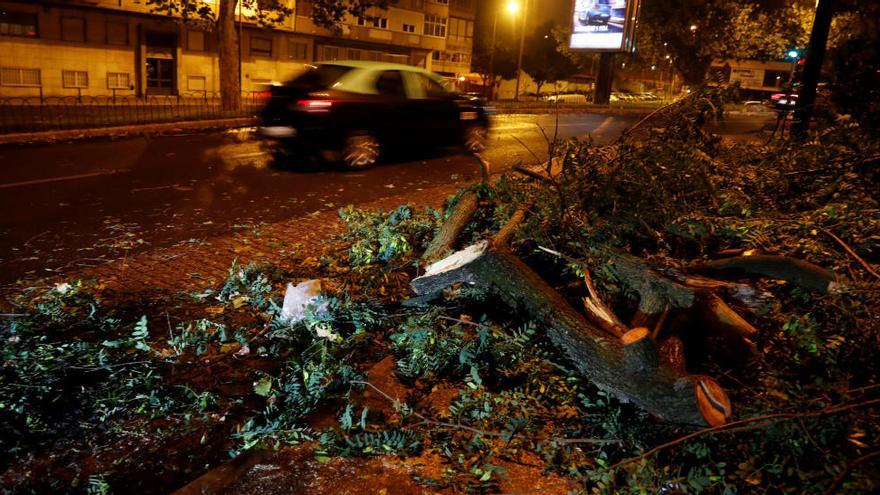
[[160, 76]]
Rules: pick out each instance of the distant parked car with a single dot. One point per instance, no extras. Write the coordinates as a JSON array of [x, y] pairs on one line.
[[574, 98], [353, 111], [755, 107], [595, 13]]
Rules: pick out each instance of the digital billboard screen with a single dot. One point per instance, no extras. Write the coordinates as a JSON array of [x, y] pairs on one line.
[[603, 25]]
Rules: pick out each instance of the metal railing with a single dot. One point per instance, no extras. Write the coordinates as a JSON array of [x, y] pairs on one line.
[[52, 113]]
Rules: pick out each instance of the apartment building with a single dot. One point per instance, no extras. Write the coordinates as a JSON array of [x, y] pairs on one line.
[[122, 47]]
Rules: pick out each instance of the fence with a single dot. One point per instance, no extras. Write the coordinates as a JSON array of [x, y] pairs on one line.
[[52, 113]]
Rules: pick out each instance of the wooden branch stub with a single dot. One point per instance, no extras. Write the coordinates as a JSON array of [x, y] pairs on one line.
[[713, 402], [801, 273], [502, 238], [444, 242]]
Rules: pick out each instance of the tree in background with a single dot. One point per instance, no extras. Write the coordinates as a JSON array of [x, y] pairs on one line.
[[542, 59], [504, 64], [694, 32], [265, 13]]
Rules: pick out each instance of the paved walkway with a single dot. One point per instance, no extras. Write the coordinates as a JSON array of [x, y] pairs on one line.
[[194, 266]]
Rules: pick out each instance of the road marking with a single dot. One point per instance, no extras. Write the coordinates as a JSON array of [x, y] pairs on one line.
[[64, 178], [601, 128]]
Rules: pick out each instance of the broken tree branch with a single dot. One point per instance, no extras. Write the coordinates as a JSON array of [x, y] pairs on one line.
[[609, 363], [444, 242], [798, 272]]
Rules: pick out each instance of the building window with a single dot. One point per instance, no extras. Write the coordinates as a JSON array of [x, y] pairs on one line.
[[12, 76], [409, 28], [195, 40], [18, 24], [117, 33], [297, 50], [442, 2], [435, 55], [354, 54], [261, 47], [196, 83], [304, 8], [329, 53], [73, 29], [435, 25], [374, 56], [376, 22], [418, 4], [118, 80], [75, 79]]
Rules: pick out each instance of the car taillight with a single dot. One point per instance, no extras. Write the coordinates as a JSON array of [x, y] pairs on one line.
[[314, 106]]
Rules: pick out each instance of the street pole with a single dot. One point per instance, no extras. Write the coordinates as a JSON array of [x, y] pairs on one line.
[[812, 68], [522, 42], [602, 96], [491, 94]]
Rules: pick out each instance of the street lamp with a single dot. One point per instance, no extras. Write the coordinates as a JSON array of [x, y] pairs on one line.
[[693, 28], [793, 54], [512, 9]]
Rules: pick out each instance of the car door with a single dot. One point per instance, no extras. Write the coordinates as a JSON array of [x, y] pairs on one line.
[[393, 117], [434, 108]]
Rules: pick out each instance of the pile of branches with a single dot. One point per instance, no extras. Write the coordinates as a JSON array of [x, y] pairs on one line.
[[670, 266]]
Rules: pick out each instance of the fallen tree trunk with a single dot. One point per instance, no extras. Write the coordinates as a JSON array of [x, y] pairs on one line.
[[798, 272], [628, 368]]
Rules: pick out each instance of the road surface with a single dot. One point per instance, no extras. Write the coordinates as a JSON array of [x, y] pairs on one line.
[[85, 203]]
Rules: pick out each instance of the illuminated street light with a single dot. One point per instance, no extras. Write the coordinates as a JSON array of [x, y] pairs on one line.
[[512, 7], [793, 54], [693, 27]]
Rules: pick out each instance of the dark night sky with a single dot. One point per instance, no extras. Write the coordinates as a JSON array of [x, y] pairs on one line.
[[539, 12]]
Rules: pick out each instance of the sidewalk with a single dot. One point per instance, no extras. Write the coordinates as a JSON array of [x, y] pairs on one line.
[[190, 267]]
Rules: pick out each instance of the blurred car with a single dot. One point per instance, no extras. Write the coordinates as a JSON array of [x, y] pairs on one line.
[[354, 111], [755, 106], [595, 13]]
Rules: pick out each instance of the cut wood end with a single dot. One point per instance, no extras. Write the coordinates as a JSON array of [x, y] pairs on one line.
[[635, 335], [712, 401], [457, 259]]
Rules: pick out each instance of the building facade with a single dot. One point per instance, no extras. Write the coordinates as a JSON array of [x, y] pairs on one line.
[[122, 47]]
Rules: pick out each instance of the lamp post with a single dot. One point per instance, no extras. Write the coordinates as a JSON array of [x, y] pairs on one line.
[[522, 42], [512, 8]]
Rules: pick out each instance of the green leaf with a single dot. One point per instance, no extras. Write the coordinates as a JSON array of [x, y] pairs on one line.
[[263, 387]]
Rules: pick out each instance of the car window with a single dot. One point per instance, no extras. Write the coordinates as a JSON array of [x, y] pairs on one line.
[[390, 83], [422, 86], [320, 77]]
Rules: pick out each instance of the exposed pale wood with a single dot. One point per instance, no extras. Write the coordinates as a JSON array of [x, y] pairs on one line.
[[724, 316], [664, 391]]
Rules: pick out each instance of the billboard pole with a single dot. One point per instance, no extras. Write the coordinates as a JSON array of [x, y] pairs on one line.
[[602, 95]]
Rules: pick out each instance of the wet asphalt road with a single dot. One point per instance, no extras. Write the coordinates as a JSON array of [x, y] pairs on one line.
[[79, 204]]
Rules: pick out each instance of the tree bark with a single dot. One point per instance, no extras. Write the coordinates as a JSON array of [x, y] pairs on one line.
[[798, 272], [631, 371], [228, 56], [444, 242]]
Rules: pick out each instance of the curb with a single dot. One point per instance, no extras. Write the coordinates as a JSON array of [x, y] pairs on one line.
[[125, 130], [543, 110]]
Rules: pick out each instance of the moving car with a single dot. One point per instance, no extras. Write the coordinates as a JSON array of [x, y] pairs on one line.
[[355, 111], [595, 13]]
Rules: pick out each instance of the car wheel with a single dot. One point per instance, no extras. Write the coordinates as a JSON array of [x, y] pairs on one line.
[[361, 150], [475, 138]]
